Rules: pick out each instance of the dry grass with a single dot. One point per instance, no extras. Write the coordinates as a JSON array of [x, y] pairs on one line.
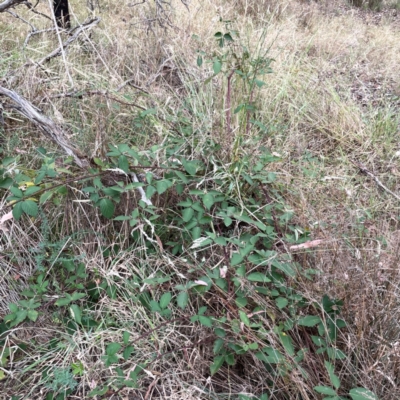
[[332, 101]]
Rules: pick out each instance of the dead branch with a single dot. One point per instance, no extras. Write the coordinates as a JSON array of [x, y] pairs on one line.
[[46, 125], [106, 94], [56, 134], [375, 178], [32, 8], [22, 19], [9, 3], [57, 52]]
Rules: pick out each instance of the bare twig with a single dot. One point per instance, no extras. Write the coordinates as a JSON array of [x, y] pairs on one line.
[[80, 94], [9, 3], [129, 82], [57, 52], [32, 8], [37, 32], [22, 19], [364, 169]]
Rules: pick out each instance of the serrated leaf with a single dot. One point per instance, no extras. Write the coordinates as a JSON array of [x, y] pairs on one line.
[[76, 313], [63, 301], [331, 372], [309, 320], [107, 208], [258, 277], [236, 259], [165, 300], [217, 65], [163, 185], [127, 352], [113, 348], [150, 190], [325, 390], [125, 337], [182, 299], [32, 315], [190, 166], [206, 321], [217, 364], [16, 192], [208, 200], [123, 163], [244, 318], [77, 296], [217, 345], [281, 302], [287, 343], [362, 394], [31, 190], [30, 208], [17, 211], [187, 214], [45, 196], [228, 221]]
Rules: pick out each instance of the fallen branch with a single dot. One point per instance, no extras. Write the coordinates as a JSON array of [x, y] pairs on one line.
[[378, 182], [57, 52], [46, 125], [55, 133]]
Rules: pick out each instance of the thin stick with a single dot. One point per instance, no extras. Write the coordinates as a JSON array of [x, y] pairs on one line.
[[378, 182], [63, 46]]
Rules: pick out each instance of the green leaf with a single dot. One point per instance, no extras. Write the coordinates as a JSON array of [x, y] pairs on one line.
[[16, 192], [206, 321], [127, 352], [333, 378], [32, 315], [163, 185], [236, 259], [217, 364], [325, 390], [217, 65], [31, 190], [258, 277], [284, 267], [244, 318], [76, 313], [20, 316], [218, 345], [150, 190], [165, 299], [281, 302], [125, 337], [113, 348], [107, 208], [187, 214], [190, 166], [64, 301], [123, 164], [362, 394], [309, 320], [182, 299], [208, 200], [287, 343], [241, 302], [30, 208], [77, 296], [228, 221], [17, 211], [45, 196]]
